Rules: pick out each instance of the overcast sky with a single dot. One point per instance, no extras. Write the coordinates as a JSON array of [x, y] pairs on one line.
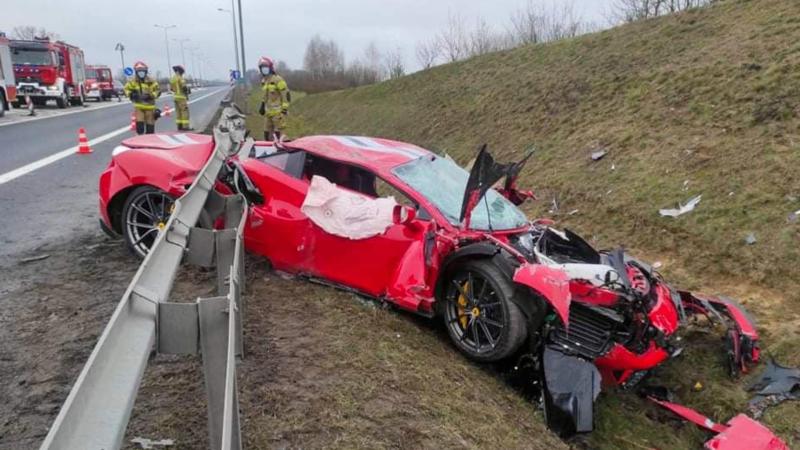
[[276, 29]]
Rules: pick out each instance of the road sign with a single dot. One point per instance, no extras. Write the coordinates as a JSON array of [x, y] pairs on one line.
[[129, 71]]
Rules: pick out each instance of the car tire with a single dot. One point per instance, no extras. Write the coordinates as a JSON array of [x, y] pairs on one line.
[[144, 215], [481, 319], [62, 101], [2, 104]]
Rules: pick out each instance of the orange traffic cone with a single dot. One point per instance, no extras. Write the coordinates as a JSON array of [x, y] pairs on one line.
[[133, 122], [83, 143], [167, 111]]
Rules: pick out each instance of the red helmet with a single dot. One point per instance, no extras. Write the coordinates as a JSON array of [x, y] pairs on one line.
[[139, 66], [264, 61]]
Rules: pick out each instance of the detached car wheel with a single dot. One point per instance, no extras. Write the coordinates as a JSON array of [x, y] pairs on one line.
[[144, 215], [479, 315]]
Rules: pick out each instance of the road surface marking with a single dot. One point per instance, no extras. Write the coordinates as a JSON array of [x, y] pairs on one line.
[[26, 119], [28, 168]]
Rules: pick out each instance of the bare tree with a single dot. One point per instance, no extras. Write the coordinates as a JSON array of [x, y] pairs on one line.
[[543, 22], [323, 58], [393, 61], [633, 10], [30, 32], [427, 53], [453, 40], [482, 39], [373, 60]]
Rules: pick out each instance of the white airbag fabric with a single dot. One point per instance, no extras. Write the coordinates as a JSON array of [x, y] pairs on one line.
[[345, 213]]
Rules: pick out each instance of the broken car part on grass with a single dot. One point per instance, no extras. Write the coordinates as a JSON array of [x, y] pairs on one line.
[[682, 208], [504, 286], [776, 385], [740, 433]]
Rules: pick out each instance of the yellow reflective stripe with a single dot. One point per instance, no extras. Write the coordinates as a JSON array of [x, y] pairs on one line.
[[144, 106], [282, 85], [182, 121], [285, 105], [179, 97]]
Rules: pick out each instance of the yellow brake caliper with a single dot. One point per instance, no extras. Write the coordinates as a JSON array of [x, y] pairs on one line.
[[462, 306]]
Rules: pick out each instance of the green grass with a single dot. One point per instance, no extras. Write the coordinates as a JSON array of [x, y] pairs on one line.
[[705, 102]]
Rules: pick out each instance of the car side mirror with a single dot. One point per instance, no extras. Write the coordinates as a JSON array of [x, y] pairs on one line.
[[611, 277], [403, 215]]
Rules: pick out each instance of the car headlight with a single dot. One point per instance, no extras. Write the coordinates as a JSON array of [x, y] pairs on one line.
[[52, 88], [94, 85]]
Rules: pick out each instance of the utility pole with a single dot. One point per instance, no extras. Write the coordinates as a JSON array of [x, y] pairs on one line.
[[235, 39], [121, 49], [166, 42], [243, 69]]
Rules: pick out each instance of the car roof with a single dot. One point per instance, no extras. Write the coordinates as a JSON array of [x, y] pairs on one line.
[[377, 154]]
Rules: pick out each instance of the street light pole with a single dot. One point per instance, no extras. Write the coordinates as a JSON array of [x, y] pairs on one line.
[[243, 69], [183, 55], [121, 49], [166, 42], [235, 39]]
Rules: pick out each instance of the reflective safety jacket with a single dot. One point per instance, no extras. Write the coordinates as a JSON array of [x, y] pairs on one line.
[[178, 86], [143, 87], [276, 94]]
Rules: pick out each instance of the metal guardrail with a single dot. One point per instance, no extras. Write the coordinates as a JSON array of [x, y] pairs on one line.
[[96, 412]]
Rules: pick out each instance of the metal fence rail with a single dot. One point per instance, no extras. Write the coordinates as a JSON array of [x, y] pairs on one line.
[[96, 412]]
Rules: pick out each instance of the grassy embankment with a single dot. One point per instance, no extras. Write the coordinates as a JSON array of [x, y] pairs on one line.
[[706, 102]]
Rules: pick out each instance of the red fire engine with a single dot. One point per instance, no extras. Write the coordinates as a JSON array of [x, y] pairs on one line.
[[8, 90], [48, 70], [99, 83]]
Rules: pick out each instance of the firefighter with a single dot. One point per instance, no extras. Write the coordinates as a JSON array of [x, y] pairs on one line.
[[180, 93], [143, 92], [275, 103]]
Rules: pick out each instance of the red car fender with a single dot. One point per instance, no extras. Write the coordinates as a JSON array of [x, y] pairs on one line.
[[550, 283]]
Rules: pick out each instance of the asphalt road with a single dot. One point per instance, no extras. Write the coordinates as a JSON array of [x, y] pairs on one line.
[[43, 203]]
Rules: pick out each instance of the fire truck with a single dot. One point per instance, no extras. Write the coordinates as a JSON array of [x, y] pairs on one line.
[[8, 90], [47, 70], [99, 83]]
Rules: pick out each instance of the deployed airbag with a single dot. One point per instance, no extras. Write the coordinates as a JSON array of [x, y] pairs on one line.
[[345, 213]]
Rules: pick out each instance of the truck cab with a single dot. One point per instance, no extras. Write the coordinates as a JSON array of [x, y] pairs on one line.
[[8, 88], [99, 83], [47, 70]]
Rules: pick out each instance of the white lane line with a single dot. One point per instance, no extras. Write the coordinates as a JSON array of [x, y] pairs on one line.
[[26, 119], [28, 168]]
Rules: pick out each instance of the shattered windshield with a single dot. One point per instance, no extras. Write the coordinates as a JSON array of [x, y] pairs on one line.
[[443, 182]]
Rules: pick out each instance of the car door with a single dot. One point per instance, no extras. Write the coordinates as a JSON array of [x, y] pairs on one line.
[[390, 264], [276, 228]]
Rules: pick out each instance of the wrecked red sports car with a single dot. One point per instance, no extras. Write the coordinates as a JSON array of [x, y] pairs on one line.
[[395, 222]]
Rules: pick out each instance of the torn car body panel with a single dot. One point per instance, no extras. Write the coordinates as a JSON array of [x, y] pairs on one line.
[[550, 283], [740, 433]]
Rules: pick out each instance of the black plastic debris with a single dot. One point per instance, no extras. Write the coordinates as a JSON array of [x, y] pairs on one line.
[[572, 385], [776, 385]]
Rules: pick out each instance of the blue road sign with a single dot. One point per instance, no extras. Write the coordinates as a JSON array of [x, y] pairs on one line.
[[129, 71]]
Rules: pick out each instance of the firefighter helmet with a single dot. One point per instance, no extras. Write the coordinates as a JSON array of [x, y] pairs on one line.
[[178, 68], [265, 62], [139, 66]]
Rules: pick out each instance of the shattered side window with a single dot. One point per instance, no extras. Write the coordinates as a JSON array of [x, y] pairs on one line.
[[291, 163], [443, 182]]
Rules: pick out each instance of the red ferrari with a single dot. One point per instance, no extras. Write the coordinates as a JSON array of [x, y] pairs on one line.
[[398, 223]]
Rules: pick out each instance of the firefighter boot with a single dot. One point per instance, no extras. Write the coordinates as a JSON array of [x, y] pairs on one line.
[[139, 127], [150, 129]]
